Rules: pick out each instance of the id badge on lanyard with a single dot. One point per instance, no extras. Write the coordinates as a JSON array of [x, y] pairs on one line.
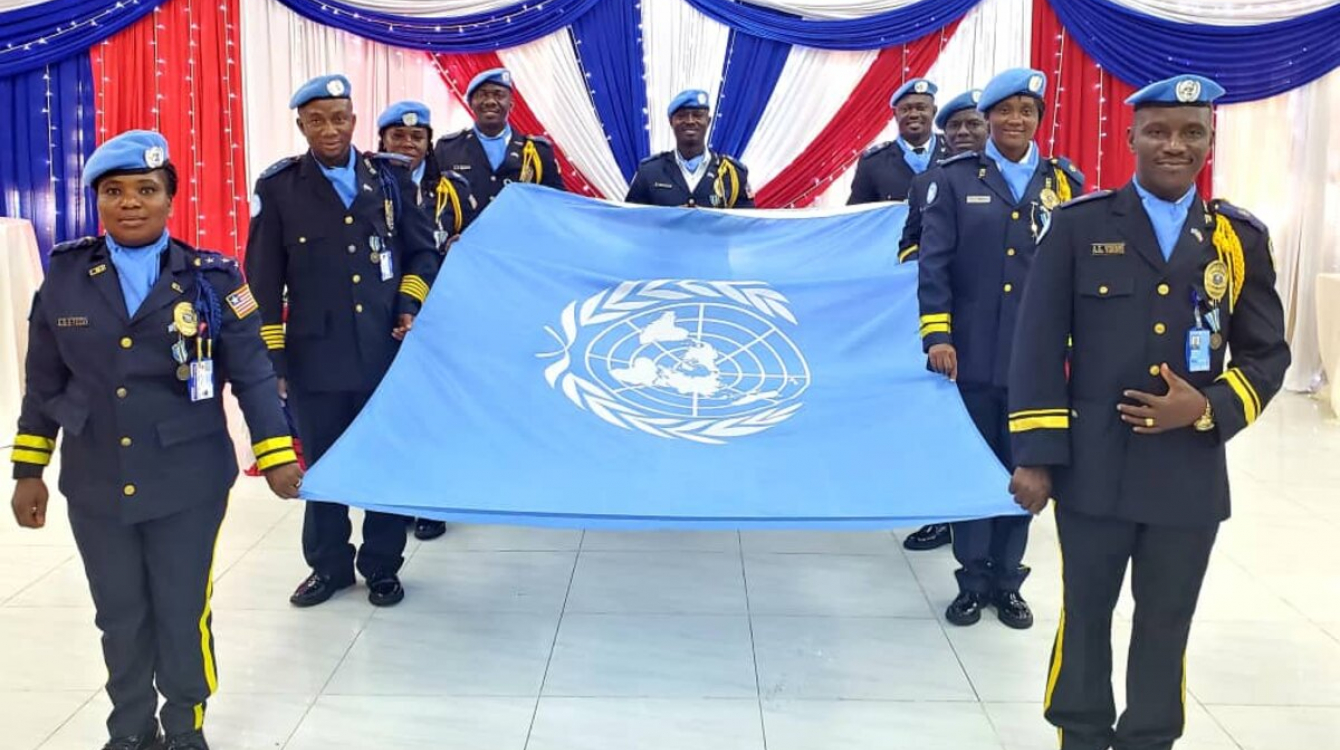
[[1198, 341], [201, 382]]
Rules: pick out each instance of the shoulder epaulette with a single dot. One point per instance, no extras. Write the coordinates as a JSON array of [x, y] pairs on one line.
[[279, 166], [212, 260], [1219, 205], [1095, 195], [453, 136], [1068, 167], [654, 157], [399, 160], [956, 158], [456, 177], [734, 162], [540, 140], [66, 247], [875, 149]]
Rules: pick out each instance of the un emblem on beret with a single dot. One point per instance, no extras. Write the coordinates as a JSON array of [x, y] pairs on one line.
[[506, 77], [702, 98], [976, 96], [154, 157], [704, 361], [920, 87], [335, 88], [1035, 83], [411, 119], [1188, 90]]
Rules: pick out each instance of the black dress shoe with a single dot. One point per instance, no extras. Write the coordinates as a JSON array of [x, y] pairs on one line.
[[317, 589], [186, 741], [1013, 610], [928, 537], [146, 740], [385, 590], [427, 528], [966, 609]]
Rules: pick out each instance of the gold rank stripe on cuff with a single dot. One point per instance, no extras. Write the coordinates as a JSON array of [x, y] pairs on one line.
[[1040, 419], [28, 456], [276, 458], [903, 255], [36, 442], [273, 444], [1242, 388], [414, 287], [935, 323], [273, 336]]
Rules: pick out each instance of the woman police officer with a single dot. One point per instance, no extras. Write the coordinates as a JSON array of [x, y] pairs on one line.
[[131, 337]]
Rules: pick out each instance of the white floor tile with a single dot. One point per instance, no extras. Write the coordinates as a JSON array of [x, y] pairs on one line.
[[343, 722], [1281, 727], [50, 648], [1254, 664], [877, 725], [821, 542], [661, 541], [29, 718], [439, 580], [233, 722], [658, 583], [838, 585], [646, 724]]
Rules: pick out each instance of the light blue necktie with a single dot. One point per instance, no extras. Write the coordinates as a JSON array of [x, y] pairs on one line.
[[137, 268]]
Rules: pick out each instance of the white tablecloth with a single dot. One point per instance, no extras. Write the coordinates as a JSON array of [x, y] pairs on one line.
[[20, 275], [1328, 332]]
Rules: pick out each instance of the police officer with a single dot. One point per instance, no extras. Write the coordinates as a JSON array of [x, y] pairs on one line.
[[492, 154], [1156, 286], [885, 170], [341, 233], [691, 175], [984, 213], [964, 130], [131, 337], [406, 128]]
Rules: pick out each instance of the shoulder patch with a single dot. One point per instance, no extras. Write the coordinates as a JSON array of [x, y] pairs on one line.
[[875, 149], [279, 166], [66, 247], [1219, 205], [1095, 195], [963, 157]]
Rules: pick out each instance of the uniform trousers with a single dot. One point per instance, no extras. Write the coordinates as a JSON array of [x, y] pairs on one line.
[[151, 584], [1167, 567], [322, 417], [990, 551]]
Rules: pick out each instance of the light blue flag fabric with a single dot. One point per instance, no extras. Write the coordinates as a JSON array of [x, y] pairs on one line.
[[592, 365]]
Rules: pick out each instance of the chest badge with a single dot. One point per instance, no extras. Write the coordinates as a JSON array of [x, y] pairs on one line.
[[1216, 280], [1049, 199], [184, 319]]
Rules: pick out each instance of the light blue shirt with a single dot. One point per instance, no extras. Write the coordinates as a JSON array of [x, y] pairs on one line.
[[495, 147], [417, 174], [137, 268], [343, 179], [1017, 174], [1168, 217], [918, 162]]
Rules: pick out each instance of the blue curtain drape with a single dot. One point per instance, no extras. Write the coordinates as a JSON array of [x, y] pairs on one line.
[[46, 33], [1251, 62], [749, 75], [608, 41], [46, 133], [481, 32], [871, 32]]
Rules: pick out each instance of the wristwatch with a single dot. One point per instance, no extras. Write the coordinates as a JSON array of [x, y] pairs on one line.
[[1206, 421]]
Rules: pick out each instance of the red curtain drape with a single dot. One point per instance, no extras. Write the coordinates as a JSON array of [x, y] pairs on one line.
[[857, 123], [457, 70], [178, 71], [1087, 116]]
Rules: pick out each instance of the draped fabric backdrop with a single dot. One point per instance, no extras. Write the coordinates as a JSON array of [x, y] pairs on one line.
[[800, 88]]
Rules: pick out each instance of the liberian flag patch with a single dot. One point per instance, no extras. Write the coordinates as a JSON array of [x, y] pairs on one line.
[[242, 302]]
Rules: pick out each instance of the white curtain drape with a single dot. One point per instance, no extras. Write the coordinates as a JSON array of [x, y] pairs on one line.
[[550, 78], [432, 8], [682, 49], [1226, 12], [1280, 159], [281, 51], [994, 36]]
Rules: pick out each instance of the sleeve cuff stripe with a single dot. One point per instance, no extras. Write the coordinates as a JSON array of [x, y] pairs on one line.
[[935, 318], [271, 460], [903, 255], [265, 446], [1256, 398], [1040, 413], [274, 345], [1243, 391], [24, 456], [273, 327], [36, 442], [1028, 424], [931, 328]]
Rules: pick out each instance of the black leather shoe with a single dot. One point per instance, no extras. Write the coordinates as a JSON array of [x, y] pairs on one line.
[[928, 537], [426, 528], [966, 609], [385, 590], [1013, 610], [186, 741], [146, 740], [317, 589]]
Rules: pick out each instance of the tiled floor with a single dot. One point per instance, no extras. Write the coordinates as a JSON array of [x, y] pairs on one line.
[[518, 638]]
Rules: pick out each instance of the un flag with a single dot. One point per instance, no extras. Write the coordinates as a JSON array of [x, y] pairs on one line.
[[585, 364]]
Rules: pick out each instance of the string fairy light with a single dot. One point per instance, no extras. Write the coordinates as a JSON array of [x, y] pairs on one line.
[[235, 199], [1057, 90]]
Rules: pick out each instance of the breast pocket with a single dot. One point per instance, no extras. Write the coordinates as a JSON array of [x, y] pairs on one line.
[[1101, 286]]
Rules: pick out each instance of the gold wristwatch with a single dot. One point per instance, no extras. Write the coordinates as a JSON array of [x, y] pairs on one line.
[[1206, 421]]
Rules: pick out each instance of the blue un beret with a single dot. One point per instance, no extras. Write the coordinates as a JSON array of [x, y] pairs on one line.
[[322, 87], [407, 113], [1184, 89], [500, 76], [689, 99], [967, 100], [1012, 82], [133, 149], [914, 86]]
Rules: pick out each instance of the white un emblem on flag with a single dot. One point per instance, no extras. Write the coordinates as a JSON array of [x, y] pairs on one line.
[[696, 360]]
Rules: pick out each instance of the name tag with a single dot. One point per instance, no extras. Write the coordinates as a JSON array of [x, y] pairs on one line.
[[979, 199], [663, 185], [461, 167], [1109, 248], [76, 321], [384, 262]]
